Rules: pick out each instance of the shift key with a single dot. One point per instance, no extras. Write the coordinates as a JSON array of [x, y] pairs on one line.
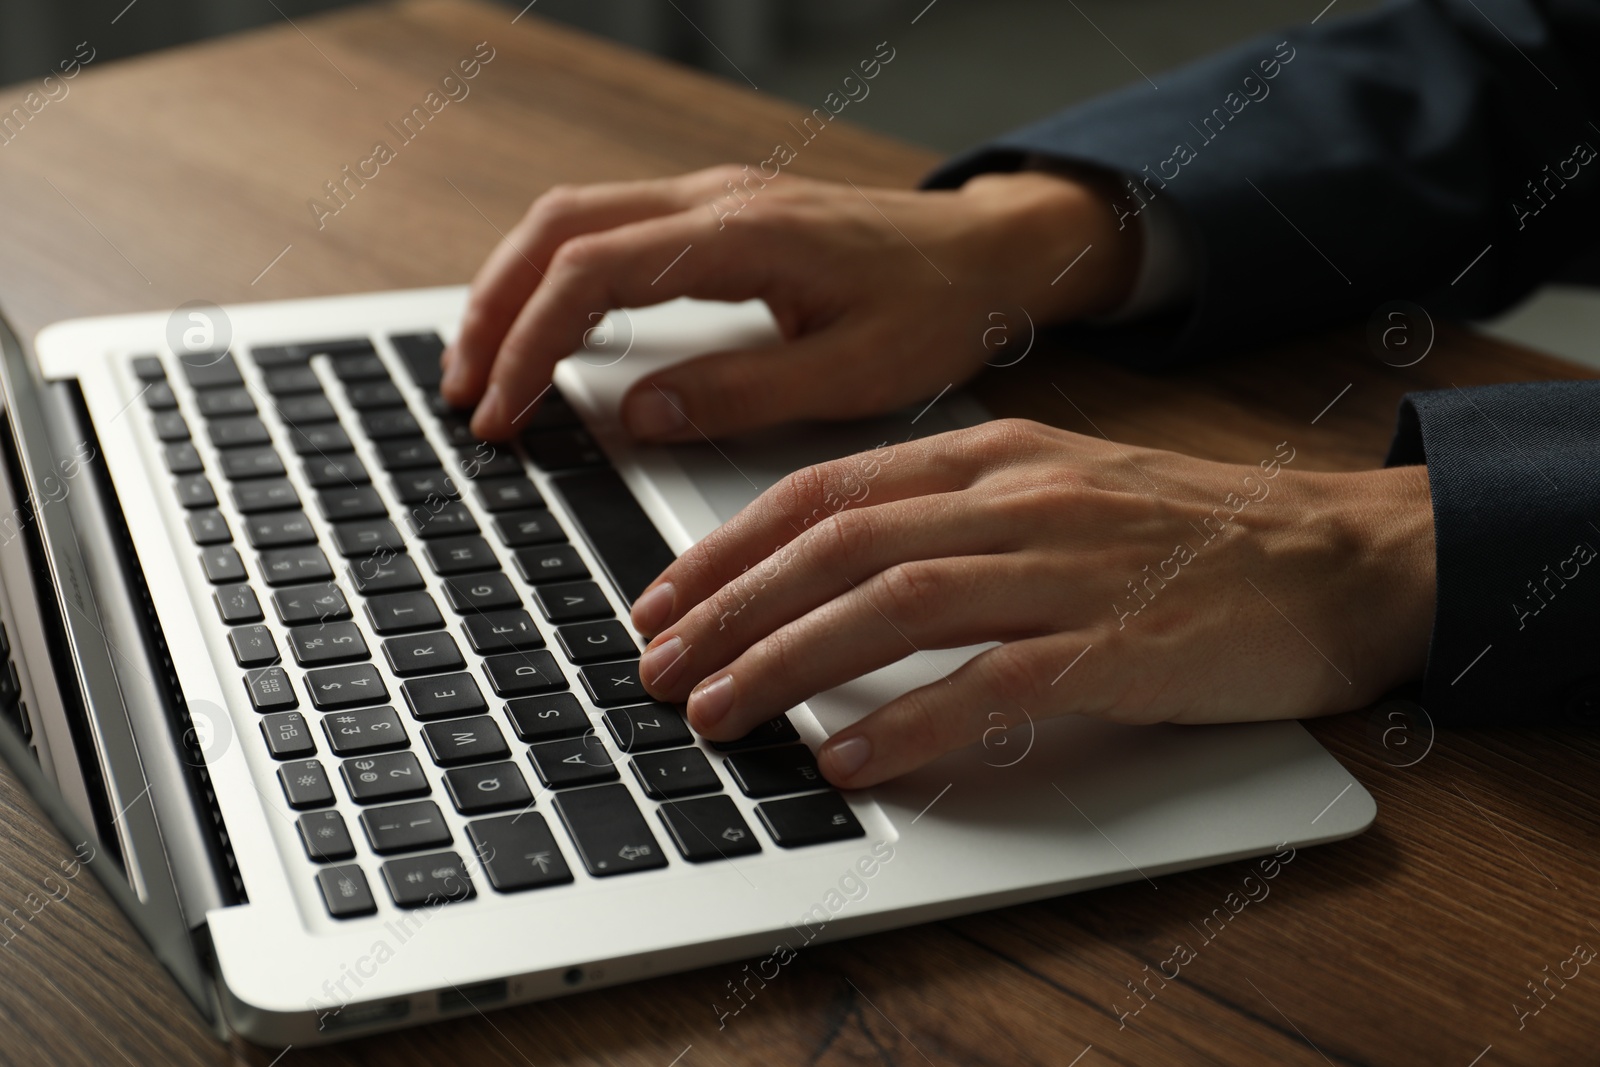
[[611, 835]]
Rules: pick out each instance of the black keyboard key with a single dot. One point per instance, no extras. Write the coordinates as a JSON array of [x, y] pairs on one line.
[[428, 881], [386, 776], [564, 449], [345, 891], [238, 603], [579, 760], [610, 684], [400, 613], [379, 393], [432, 653], [488, 462], [271, 357], [182, 458], [405, 827], [337, 688], [770, 772], [270, 690], [457, 741], [617, 528], [420, 354], [239, 464], [148, 368], [359, 366], [289, 381], [238, 432], [294, 566], [364, 730], [300, 410], [521, 674], [158, 396], [220, 403], [335, 469], [325, 837], [367, 537], [305, 785], [222, 564], [518, 852], [327, 643], [548, 718], [472, 593], [441, 518], [194, 491], [310, 603], [210, 370], [551, 563], [572, 602], [253, 646], [612, 837], [424, 486], [444, 696], [406, 453], [461, 555], [778, 731], [350, 502], [319, 439], [170, 426], [208, 527], [649, 726], [678, 772], [553, 412], [506, 494], [534, 526], [288, 736], [458, 432], [376, 575], [498, 787], [596, 642], [389, 422], [277, 529], [502, 631], [708, 828], [809, 820], [267, 494]]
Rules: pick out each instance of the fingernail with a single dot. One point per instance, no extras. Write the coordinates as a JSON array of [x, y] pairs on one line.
[[652, 610], [651, 413], [490, 413], [709, 704], [661, 661], [844, 759]]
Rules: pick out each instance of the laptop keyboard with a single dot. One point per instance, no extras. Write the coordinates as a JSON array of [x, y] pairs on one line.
[[435, 665]]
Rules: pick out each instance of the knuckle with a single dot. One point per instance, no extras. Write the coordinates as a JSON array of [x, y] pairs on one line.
[[846, 538], [583, 254], [913, 590], [557, 202], [926, 728], [800, 493], [1011, 672], [1004, 437]]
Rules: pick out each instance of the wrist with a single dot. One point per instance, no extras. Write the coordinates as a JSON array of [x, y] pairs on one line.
[[1064, 256]]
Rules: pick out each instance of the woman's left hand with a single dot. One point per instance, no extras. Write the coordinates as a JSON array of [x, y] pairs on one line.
[[1127, 583]]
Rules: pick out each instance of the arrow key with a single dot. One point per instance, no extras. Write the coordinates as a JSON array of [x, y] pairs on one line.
[[518, 852], [708, 828]]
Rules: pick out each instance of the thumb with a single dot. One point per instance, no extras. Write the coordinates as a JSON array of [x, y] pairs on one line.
[[727, 393]]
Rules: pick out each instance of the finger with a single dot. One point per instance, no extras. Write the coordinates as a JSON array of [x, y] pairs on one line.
[[927, 604], [634, 265], [829, 560], [516, 266], [792, 506], [1013, 684]]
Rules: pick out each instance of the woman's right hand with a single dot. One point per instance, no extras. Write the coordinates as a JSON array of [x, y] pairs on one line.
[[882, 296]]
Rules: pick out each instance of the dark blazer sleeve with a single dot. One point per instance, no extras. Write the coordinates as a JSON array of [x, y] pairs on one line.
[[1434, 150], [1514, 471]]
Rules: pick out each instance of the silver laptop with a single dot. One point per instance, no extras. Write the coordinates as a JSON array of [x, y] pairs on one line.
[[341, 704]]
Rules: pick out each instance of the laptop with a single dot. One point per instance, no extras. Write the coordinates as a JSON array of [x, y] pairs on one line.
[[341, 705]]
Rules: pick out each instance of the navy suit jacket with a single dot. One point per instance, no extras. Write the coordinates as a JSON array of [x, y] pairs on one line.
[[1440, 151]]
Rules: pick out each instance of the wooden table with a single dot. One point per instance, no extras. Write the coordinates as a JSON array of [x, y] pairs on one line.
[[185, 175]]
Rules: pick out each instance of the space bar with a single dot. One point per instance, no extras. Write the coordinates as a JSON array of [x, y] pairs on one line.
[[616, 527]]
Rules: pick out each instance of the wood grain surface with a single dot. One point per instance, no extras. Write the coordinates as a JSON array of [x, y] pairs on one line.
[[186, 176]]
